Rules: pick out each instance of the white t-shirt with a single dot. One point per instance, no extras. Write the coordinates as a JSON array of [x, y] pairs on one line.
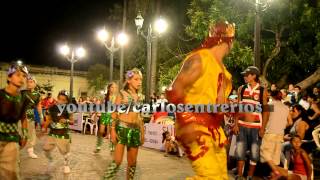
[[278, 118], [304, 104]]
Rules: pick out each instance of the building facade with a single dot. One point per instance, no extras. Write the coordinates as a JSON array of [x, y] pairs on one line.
[[58, 78]]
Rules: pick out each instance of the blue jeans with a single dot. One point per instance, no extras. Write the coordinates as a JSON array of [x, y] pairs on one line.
[[248, 139]]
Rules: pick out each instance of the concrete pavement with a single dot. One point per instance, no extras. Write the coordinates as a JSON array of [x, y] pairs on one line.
[[152, 165]]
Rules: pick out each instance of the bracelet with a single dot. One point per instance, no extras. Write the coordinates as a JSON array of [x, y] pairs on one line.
[[113, 127]]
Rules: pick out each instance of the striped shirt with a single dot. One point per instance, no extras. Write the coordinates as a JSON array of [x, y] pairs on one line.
[[251, 96]]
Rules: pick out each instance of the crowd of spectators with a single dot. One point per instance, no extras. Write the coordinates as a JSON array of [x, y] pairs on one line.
[[290, 143]]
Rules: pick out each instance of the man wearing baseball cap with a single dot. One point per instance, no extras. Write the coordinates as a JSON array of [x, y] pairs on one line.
[[249, 127], [12, 110]]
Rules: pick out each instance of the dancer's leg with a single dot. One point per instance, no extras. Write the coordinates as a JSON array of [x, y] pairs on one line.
[[48, 146], [205, 150], [9, 160], [132, 155], [32, 139], [108, 131], [114, 166], [111, 145], [64, 148], [100, 138]]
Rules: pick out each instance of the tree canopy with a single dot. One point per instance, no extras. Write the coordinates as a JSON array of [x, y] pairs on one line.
[[290, 37]]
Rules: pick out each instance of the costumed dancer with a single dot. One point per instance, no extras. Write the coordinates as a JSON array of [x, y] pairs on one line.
[[106, 119], [127, 127], [12, 109], [203, 79], [34, 99], [59, 131]]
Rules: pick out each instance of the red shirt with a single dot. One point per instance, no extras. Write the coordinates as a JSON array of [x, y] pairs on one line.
[[157, 115], [299, 167], [46, 103]]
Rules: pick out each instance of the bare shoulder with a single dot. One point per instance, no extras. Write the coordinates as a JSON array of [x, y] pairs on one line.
[[192, 62], [121, 96], [123, 92], [304, 154]]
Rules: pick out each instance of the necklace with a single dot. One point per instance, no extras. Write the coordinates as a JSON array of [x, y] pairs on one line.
[[252, 90], [12, 98], [131, 97]]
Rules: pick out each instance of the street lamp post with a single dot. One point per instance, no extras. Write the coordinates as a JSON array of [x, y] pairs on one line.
[[257, 37], [122, 39], [160, 27], [72, 57]]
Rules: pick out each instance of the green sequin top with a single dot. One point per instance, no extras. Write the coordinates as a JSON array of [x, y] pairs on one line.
[[33, 98], [130, 98], [12, 109], [57, 128]]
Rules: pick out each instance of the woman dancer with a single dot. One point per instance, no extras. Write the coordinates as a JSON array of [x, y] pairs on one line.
[[106, 119], [127, 128]]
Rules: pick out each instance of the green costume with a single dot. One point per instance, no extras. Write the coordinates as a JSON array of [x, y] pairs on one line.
[[106, 116], [58, 129], [106, 119], [12, 109], [34, 99], [129, 135]]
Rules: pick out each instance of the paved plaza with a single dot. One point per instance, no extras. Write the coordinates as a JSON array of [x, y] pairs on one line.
[[152, 165]]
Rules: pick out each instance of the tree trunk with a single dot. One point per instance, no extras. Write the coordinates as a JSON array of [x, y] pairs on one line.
[[264, 81], [274, 52], [309, 81], [283, 81]]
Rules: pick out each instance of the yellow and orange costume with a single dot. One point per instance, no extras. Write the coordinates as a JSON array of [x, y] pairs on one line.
[[200, 134]]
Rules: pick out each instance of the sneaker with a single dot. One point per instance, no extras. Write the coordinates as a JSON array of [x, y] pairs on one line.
[[67, 169], [33, 155]]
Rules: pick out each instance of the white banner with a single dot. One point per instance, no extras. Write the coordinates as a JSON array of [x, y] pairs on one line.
[[77, 125], [153, 135]]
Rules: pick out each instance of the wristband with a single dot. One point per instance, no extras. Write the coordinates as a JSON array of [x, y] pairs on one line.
[[174, 97]]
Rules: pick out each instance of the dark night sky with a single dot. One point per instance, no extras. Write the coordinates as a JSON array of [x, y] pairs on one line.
[[31, 30]]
